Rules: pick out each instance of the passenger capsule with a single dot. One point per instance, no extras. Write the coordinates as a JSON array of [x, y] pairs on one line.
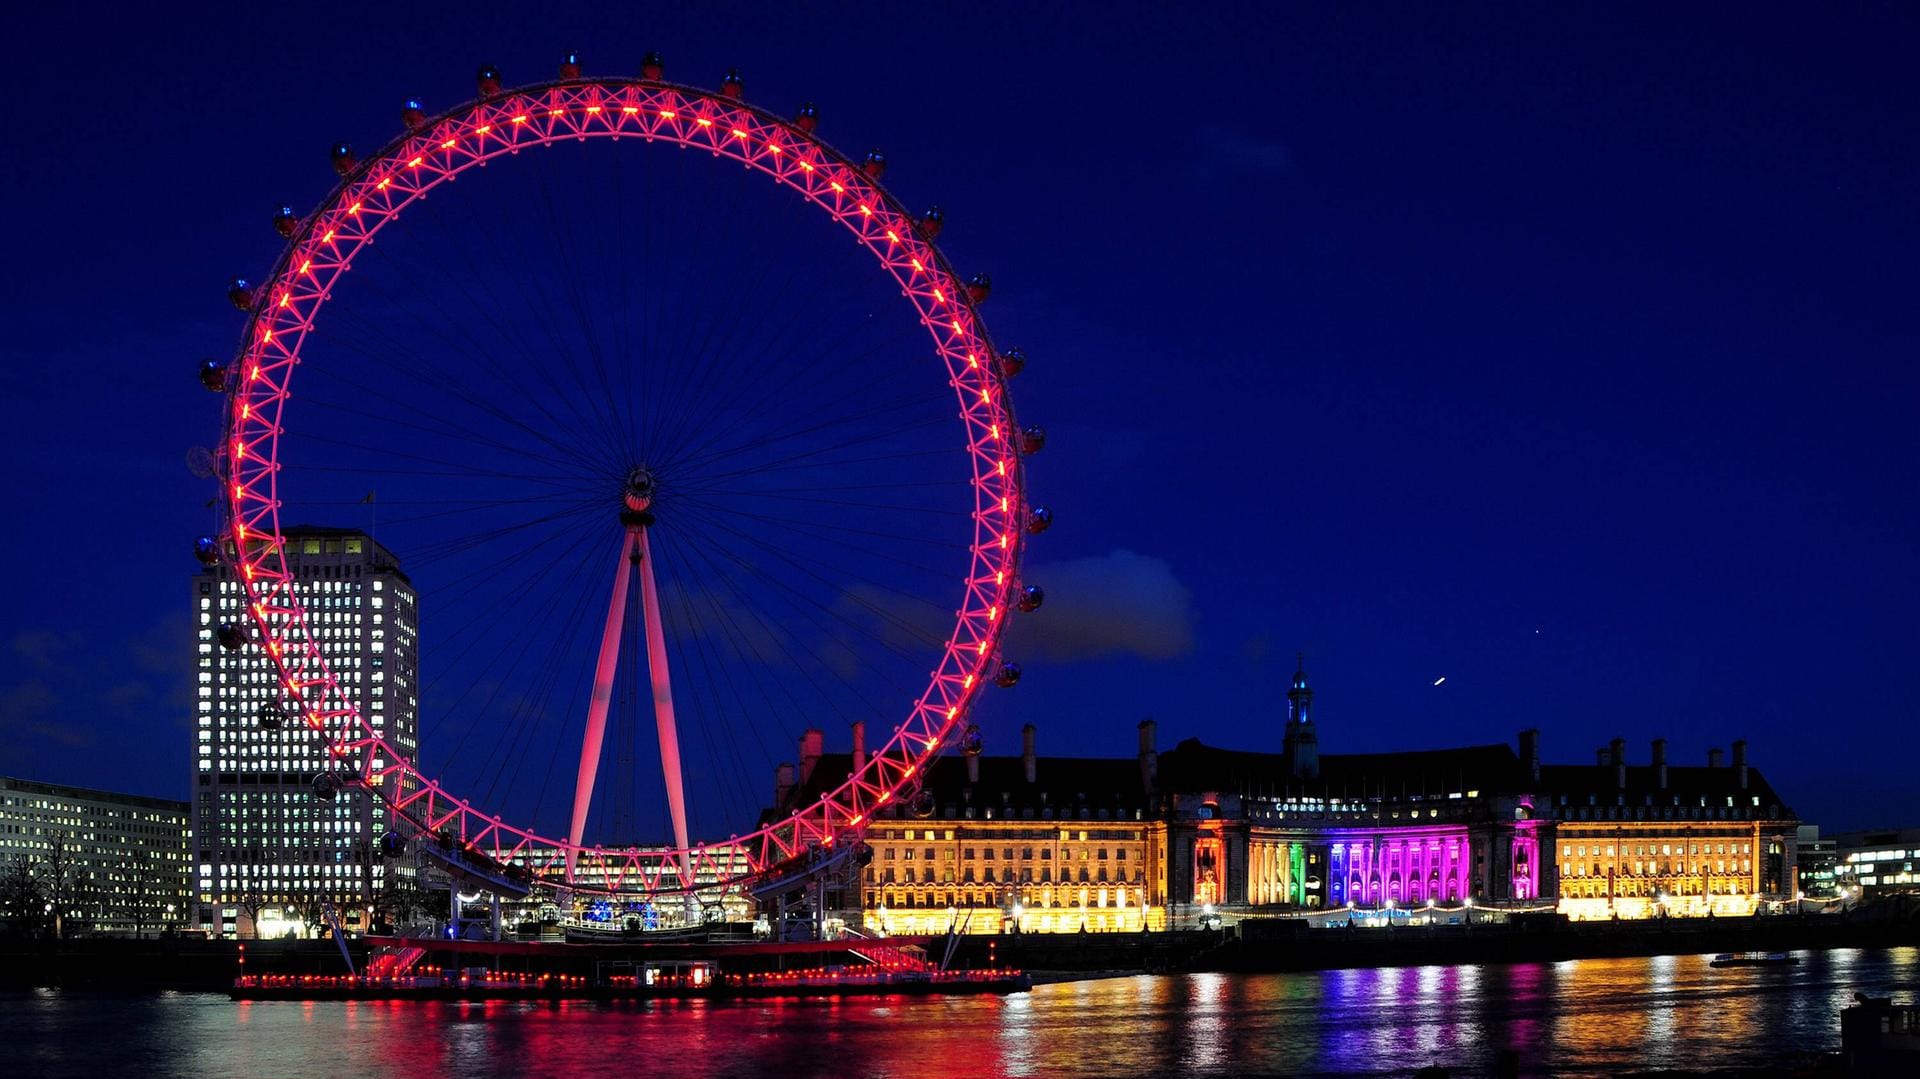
[[393, 845], [863, 855], [1031, 597], [326, 787], [979, 287], [271, 716], [343, 157], [232, 636], [875, 166], [924, 805], [807, 118], [488, 80], [971, 740], [570, 67], [652, 67], [1012, 362], [213, 375], [731, 85], [930, 222], [286, 222], [1007, 675], [240, 293], [1039, 519], [1033, 438], [206, 550], [413, 114]]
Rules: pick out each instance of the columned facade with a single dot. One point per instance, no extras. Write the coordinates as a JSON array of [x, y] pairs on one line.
[[997, 844]]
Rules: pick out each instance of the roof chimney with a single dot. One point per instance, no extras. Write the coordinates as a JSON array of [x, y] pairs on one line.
[[1617, 754], [1600, 757], [1530, 753], [1660, 763], [973, 768], [1740, 760], [1716, 757], [782, 785], [1026, 752], [812, 742], [859, 745], [1149, 760]]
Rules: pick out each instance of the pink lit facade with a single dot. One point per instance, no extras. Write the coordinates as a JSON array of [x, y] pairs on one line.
[[1247, 852], [1298, 831], [1401, 866]]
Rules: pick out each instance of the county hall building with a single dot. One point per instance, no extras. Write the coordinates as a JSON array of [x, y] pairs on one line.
[[1047, 844]]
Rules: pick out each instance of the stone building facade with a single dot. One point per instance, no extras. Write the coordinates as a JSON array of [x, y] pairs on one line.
[[1199, 832]]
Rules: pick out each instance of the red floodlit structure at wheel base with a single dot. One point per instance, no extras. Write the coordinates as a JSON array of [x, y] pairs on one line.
[[370, 197]]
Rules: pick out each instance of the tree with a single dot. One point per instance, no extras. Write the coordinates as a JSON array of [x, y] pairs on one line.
[[401, 900], [251, 897], [309, 910], [69, 889], [23, 902], [143, 887], [248, 901]]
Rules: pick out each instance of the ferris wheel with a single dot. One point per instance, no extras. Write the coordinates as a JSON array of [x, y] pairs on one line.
[[676, 472]]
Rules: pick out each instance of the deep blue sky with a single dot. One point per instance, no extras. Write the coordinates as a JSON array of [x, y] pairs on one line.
[[1569, 355]]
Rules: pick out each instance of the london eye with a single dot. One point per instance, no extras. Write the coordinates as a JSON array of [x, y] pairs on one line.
[[678, 470]]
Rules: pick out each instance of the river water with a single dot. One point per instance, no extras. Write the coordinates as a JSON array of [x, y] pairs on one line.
[[1590, 1016]]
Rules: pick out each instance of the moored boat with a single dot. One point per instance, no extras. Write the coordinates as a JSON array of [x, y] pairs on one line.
[[1755, 959]]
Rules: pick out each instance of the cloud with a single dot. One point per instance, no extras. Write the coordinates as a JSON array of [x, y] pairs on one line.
[[162, 649], [1118, 604], [44, 650], [25, 703], [61, 690], [1224, 151], [28, 714]]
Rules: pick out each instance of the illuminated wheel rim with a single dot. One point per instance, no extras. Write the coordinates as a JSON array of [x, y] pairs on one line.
[[284, 309]]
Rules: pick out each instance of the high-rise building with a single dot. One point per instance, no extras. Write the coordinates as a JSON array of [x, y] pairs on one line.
[[269, 842], [105, 862], [1818, 861], [1877, 863]]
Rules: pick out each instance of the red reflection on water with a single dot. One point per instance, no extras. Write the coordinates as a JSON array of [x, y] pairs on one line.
[[1588, 1016]]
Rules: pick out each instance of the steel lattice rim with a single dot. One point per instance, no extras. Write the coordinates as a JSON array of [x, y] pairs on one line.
[[369, 198]]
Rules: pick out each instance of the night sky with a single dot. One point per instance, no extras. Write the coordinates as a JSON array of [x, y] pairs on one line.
[[1569, 357]]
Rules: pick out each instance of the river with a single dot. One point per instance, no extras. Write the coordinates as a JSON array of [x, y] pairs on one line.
[[1589, 1016]]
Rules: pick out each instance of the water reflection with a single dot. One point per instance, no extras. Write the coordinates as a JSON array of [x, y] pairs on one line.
[[1591, 1015]]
